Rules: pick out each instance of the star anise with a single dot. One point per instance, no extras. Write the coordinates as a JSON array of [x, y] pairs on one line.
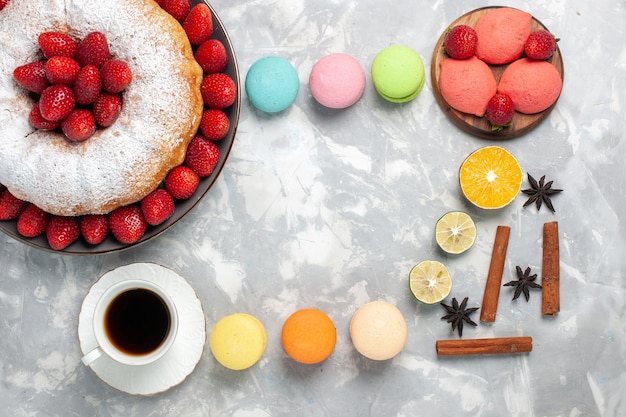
[[523, 283], [457, 314], [540, 192]]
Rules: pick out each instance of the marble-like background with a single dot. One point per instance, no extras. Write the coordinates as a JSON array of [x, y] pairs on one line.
[[331, 209]]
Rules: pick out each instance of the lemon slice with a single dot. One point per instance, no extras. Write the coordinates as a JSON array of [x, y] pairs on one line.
[[455, 232], [430, 281], [490, 177]]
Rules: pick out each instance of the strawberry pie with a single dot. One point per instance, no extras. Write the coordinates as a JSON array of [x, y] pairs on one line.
[[84, 152]]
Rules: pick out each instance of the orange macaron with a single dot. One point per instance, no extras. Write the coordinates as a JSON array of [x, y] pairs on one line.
[[309, 336]]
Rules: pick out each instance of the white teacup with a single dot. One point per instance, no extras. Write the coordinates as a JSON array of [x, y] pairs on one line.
[[135, 323]]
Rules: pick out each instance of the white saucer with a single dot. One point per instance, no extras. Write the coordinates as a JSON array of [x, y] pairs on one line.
[[176, 364]]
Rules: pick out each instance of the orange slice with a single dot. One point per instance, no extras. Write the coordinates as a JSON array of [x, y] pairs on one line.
[[490, 177]]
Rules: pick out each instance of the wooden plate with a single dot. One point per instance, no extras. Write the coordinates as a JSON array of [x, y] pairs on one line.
[[480, 126]]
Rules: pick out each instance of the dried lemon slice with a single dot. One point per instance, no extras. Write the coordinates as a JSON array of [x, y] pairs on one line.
[[455, 232], [430, 281], [490, 177]]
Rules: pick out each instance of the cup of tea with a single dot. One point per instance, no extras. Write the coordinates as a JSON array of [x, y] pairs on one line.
[[135, 323]]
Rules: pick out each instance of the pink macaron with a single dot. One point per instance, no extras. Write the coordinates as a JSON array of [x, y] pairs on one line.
[[337, 81]]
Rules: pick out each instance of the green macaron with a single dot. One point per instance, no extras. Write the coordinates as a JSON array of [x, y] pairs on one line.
[[398, 73]]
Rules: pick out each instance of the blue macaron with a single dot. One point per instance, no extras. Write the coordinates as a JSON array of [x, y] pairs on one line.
[[272, 84]]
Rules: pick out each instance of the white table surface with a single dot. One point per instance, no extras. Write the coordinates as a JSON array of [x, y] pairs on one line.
[[331, 209]]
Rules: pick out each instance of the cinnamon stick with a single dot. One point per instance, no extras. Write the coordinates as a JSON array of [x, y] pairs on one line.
[[550, 280], [494, 276], [492, 346]]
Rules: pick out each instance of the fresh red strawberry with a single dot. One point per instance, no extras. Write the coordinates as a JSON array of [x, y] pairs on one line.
[[540, 45], [218, 91], [87, 85], [199, 24], [62, 70], [127, 224], [460, 42], [115, 75], [56, 102], [38, 122], [10, 206], [179, 9], [202, 156], [94, 228], [500, 111], [212, 57], [3, 3], [106, 108], [79, 125], [57, 44], [93, 50], [214, 124], [33, 221], [32, 76], [62, 231], [157, 206], [181, 182]]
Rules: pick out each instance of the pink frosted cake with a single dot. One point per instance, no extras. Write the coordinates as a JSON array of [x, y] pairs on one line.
[[502, 33], [467, 84], [532, 85]]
